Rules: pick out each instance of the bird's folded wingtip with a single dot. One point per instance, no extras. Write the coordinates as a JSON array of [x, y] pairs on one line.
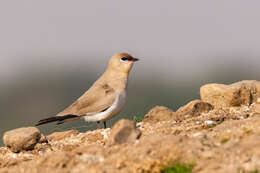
[[57, 118]]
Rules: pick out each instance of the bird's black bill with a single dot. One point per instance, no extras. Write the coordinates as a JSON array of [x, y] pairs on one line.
[[134, 59]]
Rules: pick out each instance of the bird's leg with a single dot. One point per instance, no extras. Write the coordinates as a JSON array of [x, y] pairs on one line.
[[98, 124], [105, 124]]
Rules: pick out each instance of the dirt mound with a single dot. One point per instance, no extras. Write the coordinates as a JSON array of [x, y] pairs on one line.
[[213, 138]]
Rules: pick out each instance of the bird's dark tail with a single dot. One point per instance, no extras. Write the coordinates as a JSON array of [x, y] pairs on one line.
[[59, 119]]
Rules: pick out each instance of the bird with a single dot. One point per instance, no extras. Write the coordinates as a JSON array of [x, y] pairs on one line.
[[104, 99]]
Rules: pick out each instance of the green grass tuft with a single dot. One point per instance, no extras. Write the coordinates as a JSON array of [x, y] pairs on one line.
[[137, 119], [178, 168], [239, 170], [176, 132], [224, 140]]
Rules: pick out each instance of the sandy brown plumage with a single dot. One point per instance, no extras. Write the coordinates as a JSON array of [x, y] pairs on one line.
[[102, 94]]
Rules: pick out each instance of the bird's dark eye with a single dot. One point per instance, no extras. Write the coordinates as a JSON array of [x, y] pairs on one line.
[[124, 58]]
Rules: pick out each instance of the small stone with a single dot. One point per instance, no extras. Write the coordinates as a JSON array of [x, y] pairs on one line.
[[209, 122], [197, 134], [14, 156], [160, 113], [140, 125], [105, 133], [241, 117], [43, 139], [22, 138], [194, 108], [124, 131]]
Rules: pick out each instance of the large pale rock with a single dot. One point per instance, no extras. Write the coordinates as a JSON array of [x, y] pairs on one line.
[[237, 94], [22, 138], [194, 108], [160, 113], [124, 131]]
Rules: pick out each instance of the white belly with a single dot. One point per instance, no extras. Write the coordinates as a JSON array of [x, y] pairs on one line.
[[112, 111]]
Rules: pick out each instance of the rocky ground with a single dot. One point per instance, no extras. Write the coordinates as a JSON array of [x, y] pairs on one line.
[[219, 133]]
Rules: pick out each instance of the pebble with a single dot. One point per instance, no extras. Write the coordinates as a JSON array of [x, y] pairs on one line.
[[124, 131], [197, 134], [209, 122]]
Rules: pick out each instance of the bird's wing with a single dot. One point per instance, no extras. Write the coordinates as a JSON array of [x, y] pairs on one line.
[[97, 99]]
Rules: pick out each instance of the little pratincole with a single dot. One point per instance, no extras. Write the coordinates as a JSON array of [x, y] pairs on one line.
[[104, 99]]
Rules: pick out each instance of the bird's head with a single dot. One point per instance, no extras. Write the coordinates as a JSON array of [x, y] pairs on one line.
[[122, 62]]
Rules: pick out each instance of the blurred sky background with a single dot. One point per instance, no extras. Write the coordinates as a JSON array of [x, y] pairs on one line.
[[51, 51]]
